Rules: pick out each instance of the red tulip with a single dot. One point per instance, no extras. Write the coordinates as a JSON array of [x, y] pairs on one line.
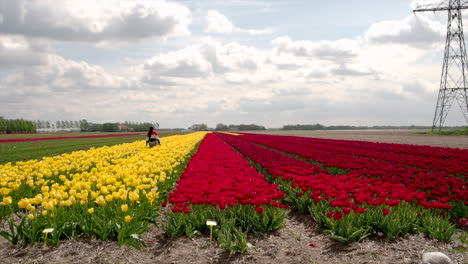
[[337, 216], [259, 210], [463, 222]]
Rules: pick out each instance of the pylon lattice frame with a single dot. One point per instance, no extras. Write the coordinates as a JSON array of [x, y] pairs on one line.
[[453, 82]]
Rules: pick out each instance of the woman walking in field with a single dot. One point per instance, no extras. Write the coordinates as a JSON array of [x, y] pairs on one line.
[[152, 138]]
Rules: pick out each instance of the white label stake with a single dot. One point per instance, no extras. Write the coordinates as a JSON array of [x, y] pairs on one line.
[[211, 224]]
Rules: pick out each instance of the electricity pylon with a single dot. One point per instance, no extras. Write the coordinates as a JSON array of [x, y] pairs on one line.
[[453, 83]]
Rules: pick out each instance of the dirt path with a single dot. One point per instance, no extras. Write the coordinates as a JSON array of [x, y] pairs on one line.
[[290, 244], [387, 136]]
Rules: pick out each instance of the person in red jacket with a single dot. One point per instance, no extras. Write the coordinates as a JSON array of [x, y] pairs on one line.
[[152, 138]]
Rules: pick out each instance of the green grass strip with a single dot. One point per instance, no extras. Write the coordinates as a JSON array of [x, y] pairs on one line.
[[446, 133]]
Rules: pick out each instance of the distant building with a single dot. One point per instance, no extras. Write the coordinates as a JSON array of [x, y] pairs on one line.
[[124, 128]]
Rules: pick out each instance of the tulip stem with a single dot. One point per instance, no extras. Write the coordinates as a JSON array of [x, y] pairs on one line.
[[211, 233]]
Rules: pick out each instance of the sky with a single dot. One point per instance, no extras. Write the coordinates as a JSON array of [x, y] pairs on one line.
[[182, 62]]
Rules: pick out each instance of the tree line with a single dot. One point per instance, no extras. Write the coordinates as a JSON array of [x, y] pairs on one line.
[[344, 127], [126, 126], [223, 127], [8, 126]]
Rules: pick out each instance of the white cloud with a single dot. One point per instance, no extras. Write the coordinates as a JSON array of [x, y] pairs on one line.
[[417, 30], [93, 21], [377, 77], [185, 63], [216, 22], [339, 50], [17, 52]]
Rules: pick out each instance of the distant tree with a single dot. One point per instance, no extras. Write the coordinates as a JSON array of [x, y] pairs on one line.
[[95, 127], [3, 125], [110, 127], [304, 127], [16, 126], [243, 127], [198, 127], [84, 125], [221, 127]]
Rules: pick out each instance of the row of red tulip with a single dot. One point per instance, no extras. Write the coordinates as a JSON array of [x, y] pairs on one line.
[[424, 158], [217, 175], [219, 184], [388, 179], [368, 182]]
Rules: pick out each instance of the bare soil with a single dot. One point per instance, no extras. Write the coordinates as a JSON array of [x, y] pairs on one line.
[[387, 136], [290, 244]]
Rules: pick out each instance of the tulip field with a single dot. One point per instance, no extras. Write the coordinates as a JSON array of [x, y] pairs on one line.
[[243, 182]]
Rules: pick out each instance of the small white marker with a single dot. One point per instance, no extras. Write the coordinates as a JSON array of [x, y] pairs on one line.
[[211, 224], [48, 230]]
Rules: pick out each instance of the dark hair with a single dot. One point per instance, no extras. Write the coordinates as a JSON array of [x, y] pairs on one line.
[[150, 131]]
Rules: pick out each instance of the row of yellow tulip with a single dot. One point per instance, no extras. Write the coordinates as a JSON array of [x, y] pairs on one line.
[[100, 175]]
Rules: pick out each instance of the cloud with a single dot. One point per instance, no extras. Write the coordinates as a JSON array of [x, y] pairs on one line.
[[339, 50], [184, 63], [416, 30], [17, 52], [216, 22], [344, 70], [34, 71], [93, 21], [369, 79], [272, 105]]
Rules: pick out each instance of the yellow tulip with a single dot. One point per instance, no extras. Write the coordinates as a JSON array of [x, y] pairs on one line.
[[44, 212], [30, 216], [7, 200], [133, 196], [100, 200], [124, 207], [91, 210], [124, 171], [104, 190], [128, 219], [109, 198], [22, 203], [49, 206]]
